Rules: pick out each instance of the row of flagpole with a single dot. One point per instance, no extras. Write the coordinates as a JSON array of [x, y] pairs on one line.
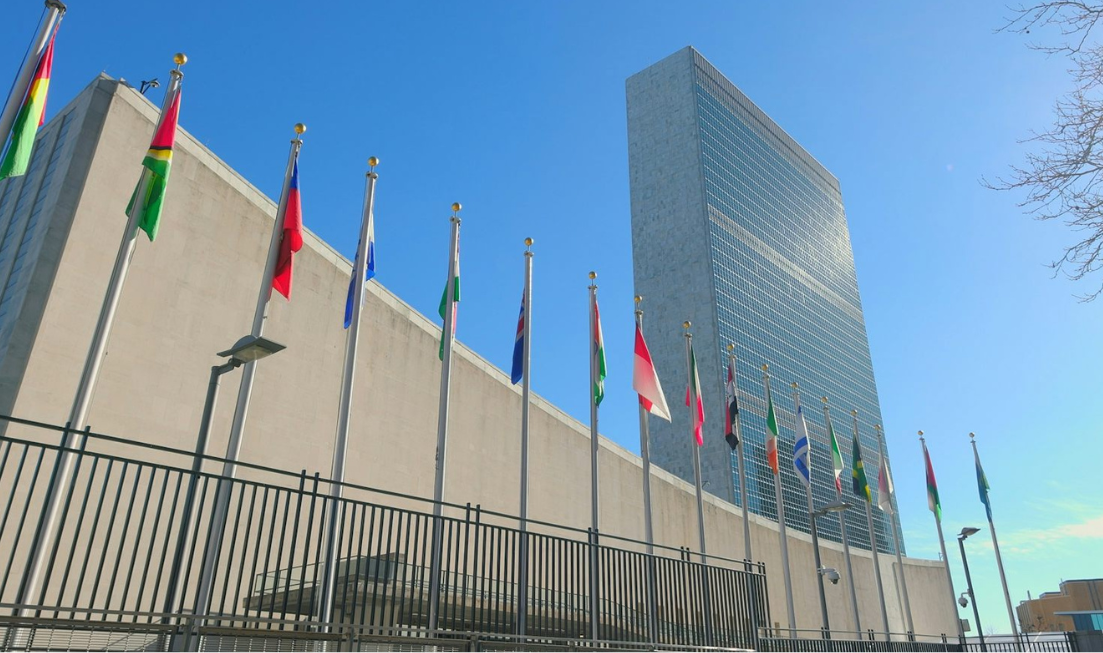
[[144, 213]]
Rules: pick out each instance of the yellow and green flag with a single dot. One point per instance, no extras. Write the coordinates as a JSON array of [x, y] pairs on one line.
[[31, 116], [858, 474]]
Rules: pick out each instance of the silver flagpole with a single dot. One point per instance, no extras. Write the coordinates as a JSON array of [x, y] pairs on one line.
[[873, 544], [693, 442], [526, 357], [782, 537], [945, 559], [79, 416], [825, 619], [233, 446], [335, 513], [842, 529], [996, 548], [895, 537], [449, 337], [738, 431], [648, 528], [54, 11], [594, 371]]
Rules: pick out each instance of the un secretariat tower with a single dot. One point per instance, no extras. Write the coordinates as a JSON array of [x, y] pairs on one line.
[[738, 229]]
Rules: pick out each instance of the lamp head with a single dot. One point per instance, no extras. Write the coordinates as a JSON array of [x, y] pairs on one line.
[[967, 532]]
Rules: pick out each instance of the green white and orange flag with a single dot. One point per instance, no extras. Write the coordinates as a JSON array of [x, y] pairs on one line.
[[694, 391], [836, 459], [30, 117], [455, 301], [771, 433], [157, 164]]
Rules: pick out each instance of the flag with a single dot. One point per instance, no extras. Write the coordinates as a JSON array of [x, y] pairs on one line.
[[801, 458], [455, 300], [982, 485], [884, 486], [731, 409], [932, 487], [645, 380], [157, 164], [368, 273], [836, 458], [30, 117], [598, 352], [292, 240], [771, 433], [519, 346], [858, 473], [695, 391]]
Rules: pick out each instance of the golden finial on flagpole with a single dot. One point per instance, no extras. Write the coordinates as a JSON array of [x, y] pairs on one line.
[[300, 128], [528, 242], [765, 367], [638, 299], [794, 385], [921, 439], [731, 346], [456, 206], [687, 324], [179, 59], [854, 412], [824, 399], [972, 436]]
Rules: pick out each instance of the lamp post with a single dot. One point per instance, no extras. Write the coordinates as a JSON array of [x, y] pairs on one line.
[[965, 533], [837, 506], [247, 349]]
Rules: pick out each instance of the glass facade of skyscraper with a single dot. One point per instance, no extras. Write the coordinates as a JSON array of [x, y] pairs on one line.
[[769, 236]]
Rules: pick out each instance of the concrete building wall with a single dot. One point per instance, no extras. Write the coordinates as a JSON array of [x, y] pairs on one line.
[[192, 293]]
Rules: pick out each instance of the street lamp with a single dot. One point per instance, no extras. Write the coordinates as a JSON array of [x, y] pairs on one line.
[[965, 533], [247, 349], [821, 571]]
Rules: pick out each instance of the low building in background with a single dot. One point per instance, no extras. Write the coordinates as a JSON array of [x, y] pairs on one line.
[[1044, 614]]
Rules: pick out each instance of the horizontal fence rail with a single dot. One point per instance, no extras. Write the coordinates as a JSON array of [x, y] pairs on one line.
[[124, 570]]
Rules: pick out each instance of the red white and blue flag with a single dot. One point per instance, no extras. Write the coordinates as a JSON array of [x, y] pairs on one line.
[[292, 236], [519, 346]]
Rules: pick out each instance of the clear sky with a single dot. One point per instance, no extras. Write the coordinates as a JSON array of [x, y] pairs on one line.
[[516, 109]]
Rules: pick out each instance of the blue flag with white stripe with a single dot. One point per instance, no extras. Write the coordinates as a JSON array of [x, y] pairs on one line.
[[368, 274], [800, 450], [519, 346]]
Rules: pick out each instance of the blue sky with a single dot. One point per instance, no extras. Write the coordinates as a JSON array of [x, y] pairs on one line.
[[517, 110]]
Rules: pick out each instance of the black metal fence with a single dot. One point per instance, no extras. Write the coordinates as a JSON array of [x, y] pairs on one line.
[[124, 539]]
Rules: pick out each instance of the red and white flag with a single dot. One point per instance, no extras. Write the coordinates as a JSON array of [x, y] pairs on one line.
[[645, 380]]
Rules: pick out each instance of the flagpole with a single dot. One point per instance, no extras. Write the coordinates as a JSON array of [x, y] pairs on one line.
[[738, 431], [593, 460], [873, 545], [781, 522], [895, 536], [335, 513], [55, 9], [942, 545], [996, 547], [812, 513], [526, 357], [842, 529], [223, 490], [649, 534], [693, 442], [82, 402], [449, 338]]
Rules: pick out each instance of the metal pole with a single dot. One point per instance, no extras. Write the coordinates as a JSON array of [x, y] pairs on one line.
[[895, 535], [449, 337], [692, 394], [972, 597], [873, 549], [945, 558], [593, 459], [526, 357], [842, 529], [781, 522], [996, 548], [736, 426], [55, 10], [245, 390], [648, 529], [183, 537], [83, 401], [335, 513], [819, 567]]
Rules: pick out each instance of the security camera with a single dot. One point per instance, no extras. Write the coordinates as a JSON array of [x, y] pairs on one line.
[[830, 574], [963, 600]]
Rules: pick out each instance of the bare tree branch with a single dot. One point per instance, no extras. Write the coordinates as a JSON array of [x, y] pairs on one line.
[[1063, 177]]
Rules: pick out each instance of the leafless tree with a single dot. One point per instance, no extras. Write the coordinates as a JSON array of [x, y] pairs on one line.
[[1062, 177]]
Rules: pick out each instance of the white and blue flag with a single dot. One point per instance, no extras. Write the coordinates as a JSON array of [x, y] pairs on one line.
[[800, 450], [368, 274]]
